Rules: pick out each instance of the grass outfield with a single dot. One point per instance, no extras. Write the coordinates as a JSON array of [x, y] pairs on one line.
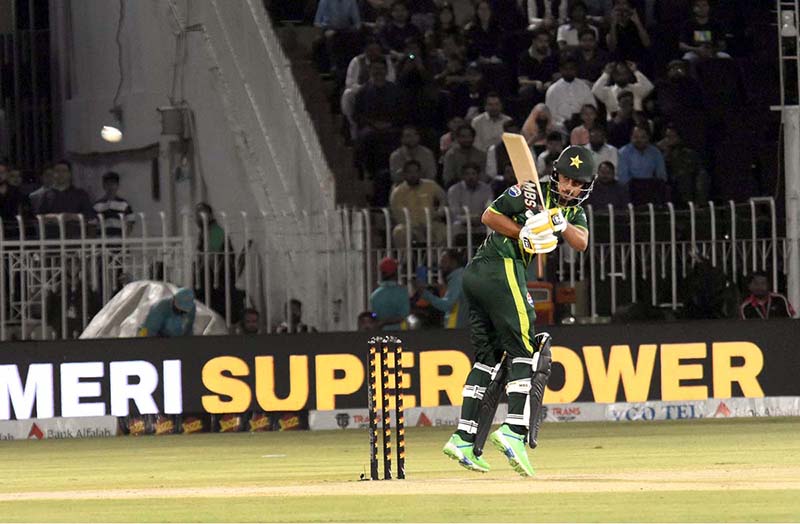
[[702, 471]]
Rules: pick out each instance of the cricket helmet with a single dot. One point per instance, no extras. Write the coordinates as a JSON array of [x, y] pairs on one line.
[[575, 163]]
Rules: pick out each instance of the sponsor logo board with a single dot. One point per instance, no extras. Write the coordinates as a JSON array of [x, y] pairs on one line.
[[58, 428]]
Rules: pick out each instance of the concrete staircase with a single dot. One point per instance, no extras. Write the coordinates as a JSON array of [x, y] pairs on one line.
[[323, 105]]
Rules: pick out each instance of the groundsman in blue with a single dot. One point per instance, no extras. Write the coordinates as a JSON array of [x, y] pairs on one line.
[[501, 309]]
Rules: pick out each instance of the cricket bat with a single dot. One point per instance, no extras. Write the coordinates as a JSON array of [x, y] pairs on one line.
[[525, 171]]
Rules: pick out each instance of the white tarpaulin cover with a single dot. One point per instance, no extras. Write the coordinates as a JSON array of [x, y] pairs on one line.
[[126, 311]]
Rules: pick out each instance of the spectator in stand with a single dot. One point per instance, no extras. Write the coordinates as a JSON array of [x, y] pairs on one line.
[[445, 24], [378, 114], [617, 78], [423, 13], [608, 190], [538, 67], [509, 15], [679, 98], [12, 203], [171, 317], [358, 76], [688, 178], [622, 123], [453, 304], [554, 147], [448, 139], [64, 198], [416, 194], [464, 153], [367, 321], [211, 240], [424, 103], [601, 150], [537, 127], [250, 323], [497, 155], [488, 125], [37, 195], [467, 99], [394, 35], [340, 22], [389, 301], [627, 38], [568, 33], [598, 11], [641, 166], [569, 94], [112, 207], [701, 37], [483, 35], [294, 320], [580, 134], [547, 14], [501, 183], [762, 303], [452, 73], [410, 149], [208, 227], [471, 193], [591, 59]]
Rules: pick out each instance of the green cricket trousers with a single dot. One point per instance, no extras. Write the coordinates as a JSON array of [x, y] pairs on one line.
[[501, 317]]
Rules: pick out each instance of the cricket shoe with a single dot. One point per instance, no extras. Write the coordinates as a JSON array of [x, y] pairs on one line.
[[512, 445], [459, 449]]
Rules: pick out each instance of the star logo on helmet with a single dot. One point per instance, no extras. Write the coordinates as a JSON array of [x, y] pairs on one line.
[[575, 161]]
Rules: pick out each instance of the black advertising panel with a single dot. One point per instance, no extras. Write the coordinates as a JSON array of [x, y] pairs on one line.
[[604, 363]]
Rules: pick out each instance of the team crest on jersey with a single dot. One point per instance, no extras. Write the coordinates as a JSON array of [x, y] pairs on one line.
[[530, 299], [514, 191]]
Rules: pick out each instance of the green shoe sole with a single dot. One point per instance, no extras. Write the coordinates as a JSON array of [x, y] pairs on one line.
[[452, 451], [513, 461]]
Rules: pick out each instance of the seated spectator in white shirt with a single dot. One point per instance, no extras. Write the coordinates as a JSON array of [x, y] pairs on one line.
[[488, 125], [555, 145], [619, 77], [115, 210], [471, 193], [567, 35], [410, 149], [601, 150], [569, 94]]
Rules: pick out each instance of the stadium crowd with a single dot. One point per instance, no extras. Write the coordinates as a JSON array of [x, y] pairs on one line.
[[650, 87]]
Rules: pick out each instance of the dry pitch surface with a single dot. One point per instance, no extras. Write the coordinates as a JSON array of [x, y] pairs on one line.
[[712, 470]]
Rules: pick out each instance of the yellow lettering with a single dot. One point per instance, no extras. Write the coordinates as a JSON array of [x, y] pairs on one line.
[[409, 400], [328, 386], [746, 375], [573, 377], [298, 384], [635, 380], [672, 371], [217, 382], [431, 382]]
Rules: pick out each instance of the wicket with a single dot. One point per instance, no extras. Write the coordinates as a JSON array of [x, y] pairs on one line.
[[373, 401]]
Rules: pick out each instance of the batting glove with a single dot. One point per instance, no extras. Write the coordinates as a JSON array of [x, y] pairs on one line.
[[539, 243], [536, 223], [557, 220]]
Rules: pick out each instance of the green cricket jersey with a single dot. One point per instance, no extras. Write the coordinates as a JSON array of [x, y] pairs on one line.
[[512, 204]]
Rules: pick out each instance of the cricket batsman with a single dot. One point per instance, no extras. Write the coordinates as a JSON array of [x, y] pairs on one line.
[[501, 312]]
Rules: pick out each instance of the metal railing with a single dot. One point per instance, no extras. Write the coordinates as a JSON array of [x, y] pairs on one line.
[[56, 272]]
